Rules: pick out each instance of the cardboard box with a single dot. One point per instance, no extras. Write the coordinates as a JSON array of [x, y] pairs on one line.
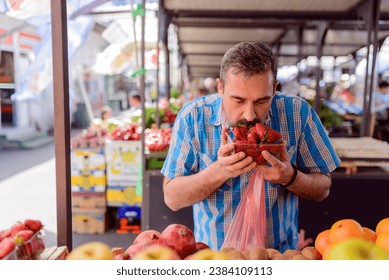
[[88, 180], [89, 200], [123, 162], [89, 222], [123, 196], [88, 159], [129, 219]]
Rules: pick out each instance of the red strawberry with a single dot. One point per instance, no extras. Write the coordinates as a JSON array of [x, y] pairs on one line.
[[252, 136], [5, 233], [15, 228], [266, 134], [6, 247], [34, 225], [272, 136], [23, 236], [260, 128], [240, 132]]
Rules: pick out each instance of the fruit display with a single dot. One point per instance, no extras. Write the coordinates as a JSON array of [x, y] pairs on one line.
[[130, 132], [252, 138], [347, 239], [157, 139], [22, 241], [93, 137]]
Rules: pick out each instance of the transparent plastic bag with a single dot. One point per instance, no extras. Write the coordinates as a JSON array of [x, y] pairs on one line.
[[248, 226]]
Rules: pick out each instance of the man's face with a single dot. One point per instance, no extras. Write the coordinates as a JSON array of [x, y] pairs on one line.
[[246, 99]]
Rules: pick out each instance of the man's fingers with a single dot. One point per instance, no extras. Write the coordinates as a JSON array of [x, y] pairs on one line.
[[224, 136]]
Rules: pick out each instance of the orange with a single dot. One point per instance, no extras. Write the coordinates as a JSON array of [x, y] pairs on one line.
[[369, 234], [383, 240], [382, 226], [345, 229], [322, 241]]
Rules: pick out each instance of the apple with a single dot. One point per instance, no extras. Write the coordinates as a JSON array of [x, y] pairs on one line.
[[180, 238], [147, 236], [157, 252], [356, 249], [94, 250], [208, 254]]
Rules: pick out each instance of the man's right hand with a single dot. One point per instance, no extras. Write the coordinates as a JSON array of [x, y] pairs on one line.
[[232, 164]]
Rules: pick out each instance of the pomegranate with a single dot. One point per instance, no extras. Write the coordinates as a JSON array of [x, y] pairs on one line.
[[180, 238], [148, 236], [201, 245]]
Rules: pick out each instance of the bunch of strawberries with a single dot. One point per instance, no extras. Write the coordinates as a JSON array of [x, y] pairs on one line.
[[24, 238], [252, 138]]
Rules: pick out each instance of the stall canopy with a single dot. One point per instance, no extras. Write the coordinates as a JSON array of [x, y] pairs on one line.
[[295, 28]]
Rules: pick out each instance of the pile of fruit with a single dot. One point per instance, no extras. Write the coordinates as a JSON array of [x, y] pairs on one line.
[[348, 240], [93, 137], [22, 241], [157, 139], [177, 242], [252, 138], [131, 132]]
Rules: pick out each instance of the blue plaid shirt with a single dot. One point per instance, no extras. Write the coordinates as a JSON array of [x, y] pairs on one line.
[[195, 142]]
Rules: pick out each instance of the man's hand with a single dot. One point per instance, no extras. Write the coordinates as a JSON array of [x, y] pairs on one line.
[[232, 165], [280, 170]]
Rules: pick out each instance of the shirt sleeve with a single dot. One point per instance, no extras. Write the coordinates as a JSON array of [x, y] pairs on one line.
[[316, 153], [181, 159]]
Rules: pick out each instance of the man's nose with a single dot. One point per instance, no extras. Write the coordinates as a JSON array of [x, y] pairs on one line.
[[249, 113]]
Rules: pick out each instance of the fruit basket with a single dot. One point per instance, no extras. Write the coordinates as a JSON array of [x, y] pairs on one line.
[[255, 150], [32, 248]]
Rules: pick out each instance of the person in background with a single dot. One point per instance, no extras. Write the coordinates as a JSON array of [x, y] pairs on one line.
[[134, 100], [105, 113], [202, 171]]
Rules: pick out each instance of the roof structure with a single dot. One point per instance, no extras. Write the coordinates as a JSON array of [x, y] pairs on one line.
[[295, 28]]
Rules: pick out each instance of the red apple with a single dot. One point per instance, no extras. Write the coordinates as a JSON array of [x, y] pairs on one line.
[[148, 236], [157, 252], [180, 238], [34, 225]]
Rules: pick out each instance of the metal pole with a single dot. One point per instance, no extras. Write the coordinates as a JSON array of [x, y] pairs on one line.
[[145, 207], [321, 34], [61, 122]]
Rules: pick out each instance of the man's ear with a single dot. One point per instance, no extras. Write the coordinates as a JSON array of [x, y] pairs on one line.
[[220, 86]]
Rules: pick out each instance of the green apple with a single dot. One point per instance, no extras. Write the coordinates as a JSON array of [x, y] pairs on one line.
[[157, 252], [91, 251], [356, 249]]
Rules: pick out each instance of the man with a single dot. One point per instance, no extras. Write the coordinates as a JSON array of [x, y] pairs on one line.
[[202, 170]]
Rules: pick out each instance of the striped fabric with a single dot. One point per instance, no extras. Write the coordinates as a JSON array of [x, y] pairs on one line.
[[196, 139]]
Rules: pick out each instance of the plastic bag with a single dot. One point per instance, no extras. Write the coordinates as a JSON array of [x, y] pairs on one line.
[[248, 226]]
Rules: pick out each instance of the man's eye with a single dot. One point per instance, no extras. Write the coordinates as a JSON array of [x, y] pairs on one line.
[[239, 101]]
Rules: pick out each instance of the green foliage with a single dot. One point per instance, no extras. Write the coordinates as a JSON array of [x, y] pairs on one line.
[[328, 117]]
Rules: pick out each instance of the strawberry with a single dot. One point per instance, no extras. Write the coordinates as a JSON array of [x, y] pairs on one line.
[[23, 236], [252, 136], [6, 246], [15, 228], [34, 225], [266, 134], [240, 132], [5, 233]]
